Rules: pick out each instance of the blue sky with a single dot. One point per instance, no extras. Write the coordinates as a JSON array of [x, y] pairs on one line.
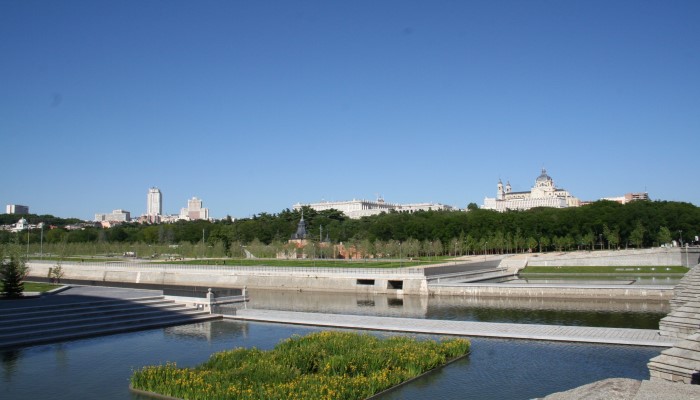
[[254, 106]]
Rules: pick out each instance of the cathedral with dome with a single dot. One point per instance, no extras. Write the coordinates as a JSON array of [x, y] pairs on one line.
[[543, 194]]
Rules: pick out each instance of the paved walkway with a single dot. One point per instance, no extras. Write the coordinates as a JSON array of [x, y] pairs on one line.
[[636, 337]]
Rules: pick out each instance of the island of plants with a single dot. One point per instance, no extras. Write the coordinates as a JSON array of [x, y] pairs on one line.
[[322, 365]]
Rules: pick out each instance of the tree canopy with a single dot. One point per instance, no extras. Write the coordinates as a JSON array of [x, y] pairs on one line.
[[603, 224]]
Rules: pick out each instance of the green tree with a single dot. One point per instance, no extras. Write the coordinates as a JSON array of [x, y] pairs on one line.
[[13, 270], [614, 238], [588, 239], [531, 243], [606, 234], [664, 235], [637, 235]]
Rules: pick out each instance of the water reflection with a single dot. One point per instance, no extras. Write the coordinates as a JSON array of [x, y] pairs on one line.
[[9, 360], [340, 303], [497, 369], [207, 331], [580, 312]]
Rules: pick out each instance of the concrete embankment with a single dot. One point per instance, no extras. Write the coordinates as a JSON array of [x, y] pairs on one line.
[[359, 280], [441, 279], [622, 292], [662, 256]]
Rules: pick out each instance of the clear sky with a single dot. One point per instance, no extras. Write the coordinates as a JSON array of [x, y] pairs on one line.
[[254, 106]]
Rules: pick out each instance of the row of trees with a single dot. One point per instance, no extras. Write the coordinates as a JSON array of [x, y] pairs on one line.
[[600, 225]]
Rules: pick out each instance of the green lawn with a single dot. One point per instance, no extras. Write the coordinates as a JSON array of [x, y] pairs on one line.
[[304, 263], [39, 287], [663, 270]]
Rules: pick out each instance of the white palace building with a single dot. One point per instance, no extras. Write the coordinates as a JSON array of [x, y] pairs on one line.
[[356, 209], [543, 194]]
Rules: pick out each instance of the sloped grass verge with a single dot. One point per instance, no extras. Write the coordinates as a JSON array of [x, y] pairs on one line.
[[323, 365]]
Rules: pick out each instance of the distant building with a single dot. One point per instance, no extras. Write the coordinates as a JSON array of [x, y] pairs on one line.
[[356, 209], [114, 216], [194, 210], [154, 206], [17, 209], [20, 225], [629, 197], [543, 194]]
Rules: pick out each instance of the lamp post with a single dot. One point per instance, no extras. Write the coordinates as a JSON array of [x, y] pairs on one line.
[[400, 256], [42, 241]]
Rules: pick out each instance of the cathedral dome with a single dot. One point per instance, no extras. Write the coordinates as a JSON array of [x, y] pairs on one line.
[[543, 177]]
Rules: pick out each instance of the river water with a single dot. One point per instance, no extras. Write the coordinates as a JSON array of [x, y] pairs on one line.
[[496, 369]]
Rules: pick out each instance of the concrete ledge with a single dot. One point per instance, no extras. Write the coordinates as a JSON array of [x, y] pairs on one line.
[[622, 292]]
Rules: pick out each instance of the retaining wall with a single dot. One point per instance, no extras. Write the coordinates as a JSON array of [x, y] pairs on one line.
[[367, 280], [625, 292], [686, 256]]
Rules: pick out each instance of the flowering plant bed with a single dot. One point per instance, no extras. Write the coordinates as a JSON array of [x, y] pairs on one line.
[[323, 365]]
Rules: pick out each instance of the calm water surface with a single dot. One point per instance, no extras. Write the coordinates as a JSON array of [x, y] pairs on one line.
[[612, 313], [496, 369]]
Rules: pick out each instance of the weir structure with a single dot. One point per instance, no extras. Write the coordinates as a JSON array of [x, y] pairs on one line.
[[457, 278]]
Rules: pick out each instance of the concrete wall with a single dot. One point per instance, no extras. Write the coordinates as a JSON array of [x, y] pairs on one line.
[[367, 280], [533, 291], [647, 257]]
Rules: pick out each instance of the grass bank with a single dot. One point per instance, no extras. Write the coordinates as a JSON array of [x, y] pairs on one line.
[[321, 263], [620, 270], [322, 365], [39, 287]]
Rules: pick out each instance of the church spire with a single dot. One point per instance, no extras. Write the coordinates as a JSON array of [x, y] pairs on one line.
[[301, 228]]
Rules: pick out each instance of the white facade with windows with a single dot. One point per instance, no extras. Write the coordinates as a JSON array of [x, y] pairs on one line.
[[543, 194], [356, 209], [194, 210], [114, 216], [154, 207]]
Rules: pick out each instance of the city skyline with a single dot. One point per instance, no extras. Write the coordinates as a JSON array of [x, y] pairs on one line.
[[256, 107]]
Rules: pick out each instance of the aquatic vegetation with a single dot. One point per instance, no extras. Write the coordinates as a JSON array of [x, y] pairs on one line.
[[322, 365]]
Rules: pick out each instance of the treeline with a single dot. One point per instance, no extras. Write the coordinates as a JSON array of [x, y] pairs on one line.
[[9, 219], [603, 224]]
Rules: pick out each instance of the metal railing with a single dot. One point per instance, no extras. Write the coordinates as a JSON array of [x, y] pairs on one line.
[[234, 268]]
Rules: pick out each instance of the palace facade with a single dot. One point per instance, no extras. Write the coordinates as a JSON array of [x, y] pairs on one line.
[[543, 194], [356, 209]]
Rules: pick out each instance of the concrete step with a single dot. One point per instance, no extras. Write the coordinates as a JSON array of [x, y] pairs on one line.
[[90, 324], [684, 354], [75, 313], [680, 364], [102, 330], [54, 322]]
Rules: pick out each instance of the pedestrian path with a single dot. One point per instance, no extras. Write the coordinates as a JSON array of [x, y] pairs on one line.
[[635, 337]]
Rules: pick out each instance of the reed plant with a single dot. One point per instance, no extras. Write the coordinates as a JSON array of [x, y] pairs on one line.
[[322, 365]]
